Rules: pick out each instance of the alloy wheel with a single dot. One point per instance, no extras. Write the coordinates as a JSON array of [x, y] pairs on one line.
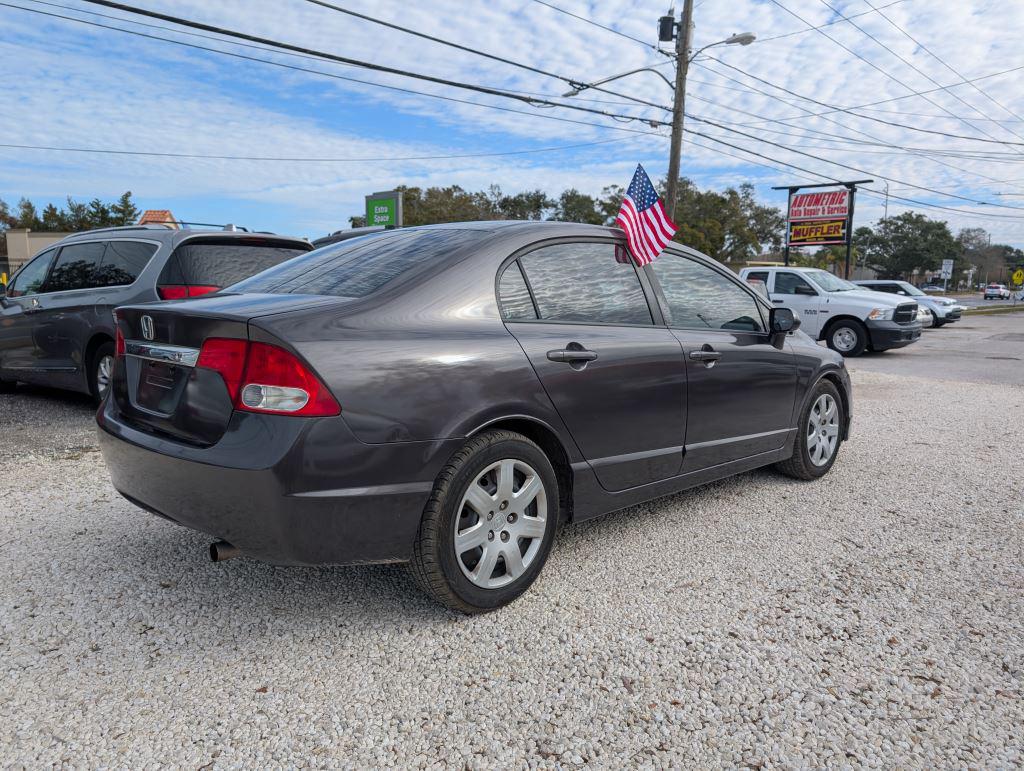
[[823, 430], [502, 521], [104, 371]]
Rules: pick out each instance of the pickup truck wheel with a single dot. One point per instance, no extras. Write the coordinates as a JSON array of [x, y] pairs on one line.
[[489, 524], [819, 436], [847, 337]]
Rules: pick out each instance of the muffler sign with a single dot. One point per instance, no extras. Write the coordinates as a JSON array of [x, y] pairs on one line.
[[817, 232], [819, 218]]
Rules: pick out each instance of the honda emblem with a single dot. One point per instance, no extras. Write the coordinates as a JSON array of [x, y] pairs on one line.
[[148, 330]]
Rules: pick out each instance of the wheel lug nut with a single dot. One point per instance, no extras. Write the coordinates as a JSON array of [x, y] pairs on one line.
[[490, 535], [511, 517], [490, 515], [504, 505], [504, 535]]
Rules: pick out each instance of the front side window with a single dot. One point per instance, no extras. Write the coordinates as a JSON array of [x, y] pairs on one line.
[[30, 279], [76, 268], [787, 283], [123, 261], [701, 297], [584, 283]]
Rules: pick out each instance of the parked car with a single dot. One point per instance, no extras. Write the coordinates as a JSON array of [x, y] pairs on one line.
[[997, 292], [345, 235], [447, 395], [943, 310], [849, 318], [933, 289], [56, 327]]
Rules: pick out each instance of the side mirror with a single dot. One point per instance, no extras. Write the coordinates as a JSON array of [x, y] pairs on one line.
[[804, 289], [782, 320]]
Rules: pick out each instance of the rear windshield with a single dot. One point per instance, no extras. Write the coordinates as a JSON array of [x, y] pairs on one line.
[[360, 266], [222, 263]]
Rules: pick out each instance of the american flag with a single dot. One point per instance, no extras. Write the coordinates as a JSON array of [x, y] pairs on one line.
[[643, 217]]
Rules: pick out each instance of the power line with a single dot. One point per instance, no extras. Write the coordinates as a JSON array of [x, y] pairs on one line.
[[201, 156], [826, 24], [350, 79], [894, 79], [602, 26], [918, 70], [941, 61], [350, 61]]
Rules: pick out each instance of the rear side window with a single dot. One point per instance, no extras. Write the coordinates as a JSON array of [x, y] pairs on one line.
[[222, 262], [76, 268], [585, 283], [514, 295], [360, 266], [123, 261]]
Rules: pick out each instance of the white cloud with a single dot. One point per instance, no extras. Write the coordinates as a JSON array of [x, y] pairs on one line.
[[88, 87]]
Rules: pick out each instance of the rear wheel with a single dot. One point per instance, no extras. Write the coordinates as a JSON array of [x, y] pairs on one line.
[[817, 443], [488, 527], [847, 336], [101, 369]]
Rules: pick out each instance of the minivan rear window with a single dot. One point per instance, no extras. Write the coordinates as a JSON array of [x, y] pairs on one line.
[[220, 263], [360, 266]]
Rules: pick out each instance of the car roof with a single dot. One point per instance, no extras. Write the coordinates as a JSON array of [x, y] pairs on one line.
[[172, 236]]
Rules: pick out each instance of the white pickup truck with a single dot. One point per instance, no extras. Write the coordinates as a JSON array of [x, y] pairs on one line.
[[847, 317]]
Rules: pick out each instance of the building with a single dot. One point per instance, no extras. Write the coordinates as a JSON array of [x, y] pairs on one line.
[[23, 245], [159, 217]]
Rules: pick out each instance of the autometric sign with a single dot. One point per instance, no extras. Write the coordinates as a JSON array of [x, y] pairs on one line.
[[817, 232], [820, 205]]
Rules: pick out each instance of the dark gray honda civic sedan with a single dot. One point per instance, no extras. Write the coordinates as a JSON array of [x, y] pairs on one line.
[[449, 395]]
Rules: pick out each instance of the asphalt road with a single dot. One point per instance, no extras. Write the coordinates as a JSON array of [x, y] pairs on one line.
[[980, 349]]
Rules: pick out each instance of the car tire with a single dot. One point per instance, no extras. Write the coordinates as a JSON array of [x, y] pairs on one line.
[[847, 337], [101, 365], [457, 544], [937, 322], [817, 425]]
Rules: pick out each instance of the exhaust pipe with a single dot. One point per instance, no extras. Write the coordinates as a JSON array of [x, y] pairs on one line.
[[222, 550]]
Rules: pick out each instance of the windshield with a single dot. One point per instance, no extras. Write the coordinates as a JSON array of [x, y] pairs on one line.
[[911, 290], [829, 282]]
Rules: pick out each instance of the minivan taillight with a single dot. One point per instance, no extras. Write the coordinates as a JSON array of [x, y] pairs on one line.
[[265, 378], [181, 291]]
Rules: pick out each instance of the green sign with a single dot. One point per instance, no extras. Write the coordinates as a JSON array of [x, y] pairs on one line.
[[384, 209]]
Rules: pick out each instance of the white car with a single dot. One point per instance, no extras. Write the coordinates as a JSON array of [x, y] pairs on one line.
[[943, 310], [997, 292], [848, 318]]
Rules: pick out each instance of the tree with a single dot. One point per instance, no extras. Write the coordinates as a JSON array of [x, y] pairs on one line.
[[124, 211], [54, 220], [98, 214], [908, 242], [28, 217], [574, 206], [77, 216], [529, 205]]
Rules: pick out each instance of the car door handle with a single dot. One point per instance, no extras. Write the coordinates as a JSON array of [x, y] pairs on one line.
[[570, 355], [778, 302], [705, 355]]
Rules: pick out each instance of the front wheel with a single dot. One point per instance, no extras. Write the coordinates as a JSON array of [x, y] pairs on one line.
[[847, 337], [489, 524], [819, 437]]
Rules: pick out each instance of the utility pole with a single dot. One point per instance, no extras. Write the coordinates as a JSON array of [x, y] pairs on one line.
[[683, 38]]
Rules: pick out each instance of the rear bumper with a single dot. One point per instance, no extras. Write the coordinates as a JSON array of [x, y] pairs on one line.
[[888, 334], [300, 492]]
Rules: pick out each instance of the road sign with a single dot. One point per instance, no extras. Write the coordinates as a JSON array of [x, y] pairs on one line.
[[947, 269], [819, 218], [384, 209], [1018, 276]]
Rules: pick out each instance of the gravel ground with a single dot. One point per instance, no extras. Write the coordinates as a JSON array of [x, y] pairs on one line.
[[875, 618]]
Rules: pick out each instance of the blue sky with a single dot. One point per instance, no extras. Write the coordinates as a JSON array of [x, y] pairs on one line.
[[73, 85]]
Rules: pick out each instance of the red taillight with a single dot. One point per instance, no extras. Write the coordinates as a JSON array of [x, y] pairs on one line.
[[181, 291], [118, 344], [226, 356], [265, 378]]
